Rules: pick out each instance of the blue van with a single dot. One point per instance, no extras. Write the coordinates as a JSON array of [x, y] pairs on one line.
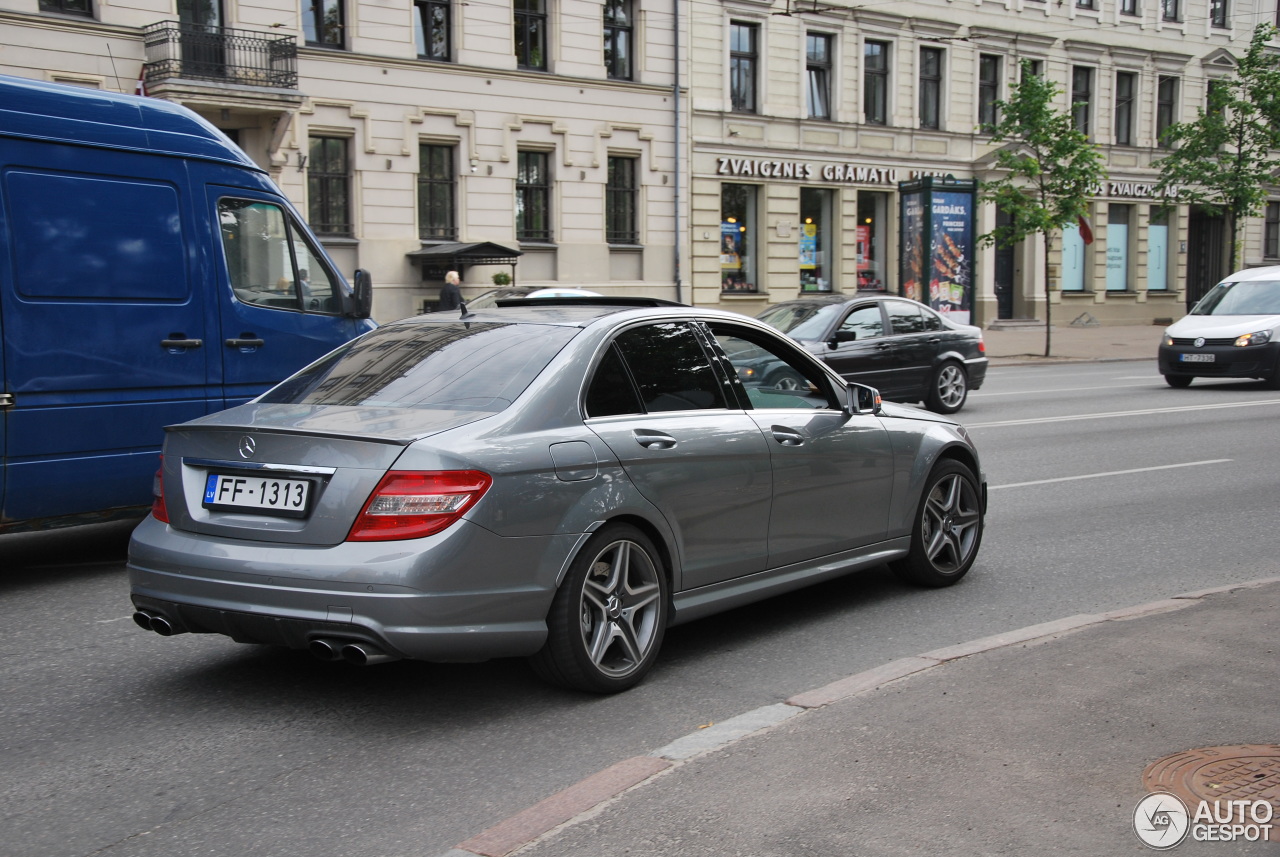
[[150, 273]]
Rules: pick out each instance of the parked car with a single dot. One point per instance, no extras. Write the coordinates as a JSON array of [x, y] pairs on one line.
[[562, 482], [902, 348], [1232, 332], [490, 298]]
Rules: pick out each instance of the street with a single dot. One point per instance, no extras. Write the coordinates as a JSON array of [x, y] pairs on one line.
[[1107, 489]]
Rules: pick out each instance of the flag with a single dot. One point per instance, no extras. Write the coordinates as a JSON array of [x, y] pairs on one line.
[[1086, 229], [141, 88]]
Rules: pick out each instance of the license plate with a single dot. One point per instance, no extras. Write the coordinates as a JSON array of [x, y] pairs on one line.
[[270, 494], [1196, 358]]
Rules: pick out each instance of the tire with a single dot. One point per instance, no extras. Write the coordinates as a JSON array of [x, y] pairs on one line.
[[788, 381], [609, 615], [1178, 381], [948, 389], [947, 530]]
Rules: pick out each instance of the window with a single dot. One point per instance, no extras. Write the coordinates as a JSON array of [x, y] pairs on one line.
[[437, 193], [865, 321], [930, 87], [1081, 97], [1118, 217], [621, 194], [1129, 7], [67, 7], [269, 262], [770, 376], [1032, 68], [743, 47], [1086, 4], [329, 186], [870, 239], [1126, 83], [815, 239], [618, 34], [1216, 97], [875, 83], [1271, 231], [818, 72], [431, 25], [323, 23], [671, 368], [1169, 10], [1218, 13], [531, 34], [1158, 250], [1166, 106], [737, 237], [904, 317], [533, 197], [988, 89]]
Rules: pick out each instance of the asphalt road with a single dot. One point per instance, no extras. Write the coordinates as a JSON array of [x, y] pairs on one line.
[[1107, 489]]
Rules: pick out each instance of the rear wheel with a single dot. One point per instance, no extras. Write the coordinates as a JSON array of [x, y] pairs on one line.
[[948, 389], [1178, 381], [608, 618], [947, 530]]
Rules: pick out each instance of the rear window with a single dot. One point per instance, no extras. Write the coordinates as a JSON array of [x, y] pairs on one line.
[[480, 367]]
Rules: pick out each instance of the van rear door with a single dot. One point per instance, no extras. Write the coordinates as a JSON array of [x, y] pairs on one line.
[[105, 339], [285, 305]]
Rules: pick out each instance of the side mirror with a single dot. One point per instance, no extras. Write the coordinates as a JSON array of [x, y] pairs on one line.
[[841, 336], [362, 295], [864, 399]]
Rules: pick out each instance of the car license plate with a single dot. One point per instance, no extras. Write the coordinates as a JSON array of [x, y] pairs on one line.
[[1196, 358], [270, 494]]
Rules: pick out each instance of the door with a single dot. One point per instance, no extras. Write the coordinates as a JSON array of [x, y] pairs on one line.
[[105, 337], [200, 35], [1003, 272], [867, 357], [280, 302], [912, 347], [658, 403], [832, 471], [1205, 259]]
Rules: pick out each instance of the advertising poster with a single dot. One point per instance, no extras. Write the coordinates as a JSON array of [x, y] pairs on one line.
[[809, 247], [950, 277], [913, 259], [730, 256]]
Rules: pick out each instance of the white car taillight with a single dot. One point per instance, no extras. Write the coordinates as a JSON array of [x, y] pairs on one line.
[[412, 504]]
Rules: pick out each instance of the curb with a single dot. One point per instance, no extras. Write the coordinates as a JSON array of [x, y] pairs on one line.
[[589, 795]]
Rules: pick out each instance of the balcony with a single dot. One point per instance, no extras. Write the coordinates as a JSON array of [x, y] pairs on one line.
[[218, 54]]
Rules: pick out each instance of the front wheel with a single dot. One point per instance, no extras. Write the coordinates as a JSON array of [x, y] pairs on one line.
[[947, 530], [1178, 381], [948, 389], [608, 618]]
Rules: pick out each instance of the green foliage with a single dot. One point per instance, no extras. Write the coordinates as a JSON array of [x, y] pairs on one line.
[[502, 278], [1225, 158]]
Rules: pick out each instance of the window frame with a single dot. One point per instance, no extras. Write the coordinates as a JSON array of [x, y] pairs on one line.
[[1219, 14], [622, 201], [875, 81], [318, 33], [930, 82], [744, 78], [818, 75], [324, 184], [1170, 11], [437, 192], [1124, 104], [533, 197], [1166, 106], [426, 27], [989, 88], [65, 7], [529, 24], [1082, 98], [619, 30], [1271, 231]]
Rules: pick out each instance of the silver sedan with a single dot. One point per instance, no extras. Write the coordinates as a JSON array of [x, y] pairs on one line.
[[562, 481]]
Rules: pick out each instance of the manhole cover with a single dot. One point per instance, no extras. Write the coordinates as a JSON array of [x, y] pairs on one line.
[[1249, 772]]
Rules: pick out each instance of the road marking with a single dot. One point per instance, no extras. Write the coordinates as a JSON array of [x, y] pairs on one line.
[[1111, 414], [1108, 473], [1154, 379]]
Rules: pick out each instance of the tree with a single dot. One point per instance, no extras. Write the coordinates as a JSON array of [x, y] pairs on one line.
[[1050, 171], [1224, 160]]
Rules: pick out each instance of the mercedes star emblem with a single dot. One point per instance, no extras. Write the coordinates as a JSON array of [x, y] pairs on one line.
[[247, 446]]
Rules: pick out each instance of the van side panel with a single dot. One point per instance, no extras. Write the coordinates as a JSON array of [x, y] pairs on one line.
[[106, 332]]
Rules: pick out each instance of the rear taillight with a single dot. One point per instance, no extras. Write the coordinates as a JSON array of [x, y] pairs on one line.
[[412, 504], [158, 509], [982, 346]]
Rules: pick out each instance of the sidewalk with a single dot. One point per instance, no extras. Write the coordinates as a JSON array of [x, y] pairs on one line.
[[1033, 742], [1025, 343]]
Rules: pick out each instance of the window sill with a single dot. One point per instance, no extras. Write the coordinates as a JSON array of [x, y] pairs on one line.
[[530, 244], [743, 295], [625, 248], [338, 240]]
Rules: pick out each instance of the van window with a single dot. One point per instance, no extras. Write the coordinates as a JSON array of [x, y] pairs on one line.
[[96, 239], [270, 264]]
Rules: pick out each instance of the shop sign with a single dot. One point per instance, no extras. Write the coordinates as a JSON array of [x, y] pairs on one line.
[[807, 171]]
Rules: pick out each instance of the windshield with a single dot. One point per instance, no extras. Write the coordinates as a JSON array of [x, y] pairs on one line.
[[461, 366], [801, 320], [1258, 297]]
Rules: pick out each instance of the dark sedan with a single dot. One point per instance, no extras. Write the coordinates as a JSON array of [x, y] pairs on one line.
[[902, 348]]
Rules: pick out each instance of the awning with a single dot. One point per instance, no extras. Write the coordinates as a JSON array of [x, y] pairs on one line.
[[436, 259]]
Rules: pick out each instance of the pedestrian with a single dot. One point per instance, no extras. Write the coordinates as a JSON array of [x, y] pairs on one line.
[[450, 297]]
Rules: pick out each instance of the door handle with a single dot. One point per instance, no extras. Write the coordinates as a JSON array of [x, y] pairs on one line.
[[883, 346], [654, 439], [180, 341], [245, 343], [787, 436]]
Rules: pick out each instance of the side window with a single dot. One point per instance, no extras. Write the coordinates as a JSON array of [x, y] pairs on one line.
[[904, 317], [771, 377], [932, 321], [865, 321], [671, 368], [611, 392], [269, 263]]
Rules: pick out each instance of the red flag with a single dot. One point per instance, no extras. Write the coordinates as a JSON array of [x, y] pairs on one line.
[[141, 88], [1086, 229]]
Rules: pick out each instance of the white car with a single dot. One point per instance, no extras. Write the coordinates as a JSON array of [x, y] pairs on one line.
[[1233, 332]]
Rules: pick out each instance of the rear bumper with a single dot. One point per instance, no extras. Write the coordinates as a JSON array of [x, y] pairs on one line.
[[464, 595], [976, 369]]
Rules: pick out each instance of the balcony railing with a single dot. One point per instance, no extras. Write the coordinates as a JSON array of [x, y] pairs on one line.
[[198, 52]]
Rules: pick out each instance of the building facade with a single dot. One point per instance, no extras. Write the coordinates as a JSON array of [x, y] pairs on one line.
[[726, 153]]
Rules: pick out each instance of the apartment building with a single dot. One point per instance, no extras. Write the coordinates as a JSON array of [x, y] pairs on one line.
[[536, 139]]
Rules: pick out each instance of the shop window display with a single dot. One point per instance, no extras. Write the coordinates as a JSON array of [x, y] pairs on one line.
[[814, 240], [737, 238]]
